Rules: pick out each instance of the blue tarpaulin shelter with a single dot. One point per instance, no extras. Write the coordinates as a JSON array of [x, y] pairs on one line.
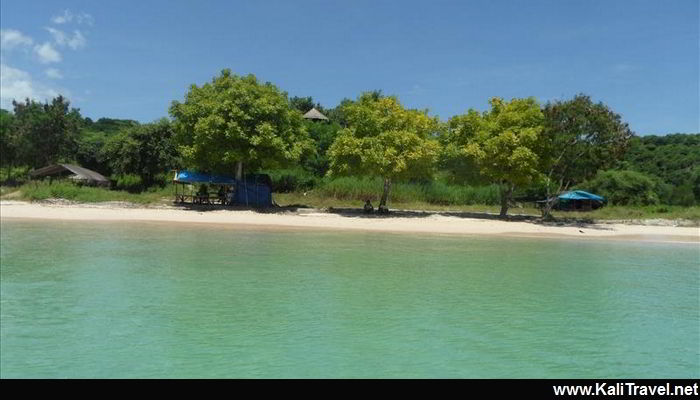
[[252, 191], [580, 195], [197, 177], [579, 200]]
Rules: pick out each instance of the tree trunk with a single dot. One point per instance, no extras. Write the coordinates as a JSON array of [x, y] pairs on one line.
[[383, 209], [506, 194], [239, 170], [552, 199]]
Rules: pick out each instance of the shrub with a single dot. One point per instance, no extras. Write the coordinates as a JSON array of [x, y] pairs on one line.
[[625, 187], [130, 182], [292, 180], [683, 195]]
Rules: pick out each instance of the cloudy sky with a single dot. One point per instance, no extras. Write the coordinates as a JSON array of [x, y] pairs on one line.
[[131, 59]]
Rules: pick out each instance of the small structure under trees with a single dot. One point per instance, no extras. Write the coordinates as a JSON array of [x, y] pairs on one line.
[[315, 115], [254, 190], [576, 200], [73, 172]]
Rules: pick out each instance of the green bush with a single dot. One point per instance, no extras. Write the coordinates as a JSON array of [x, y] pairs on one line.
[[683, 195], [626, 188], [130, 182], [14, 175], [292, 180]]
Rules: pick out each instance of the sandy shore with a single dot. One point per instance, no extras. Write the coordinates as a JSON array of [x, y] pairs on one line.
[[427, 223]]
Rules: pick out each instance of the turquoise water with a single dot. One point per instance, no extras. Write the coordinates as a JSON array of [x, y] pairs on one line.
[[150, 300]]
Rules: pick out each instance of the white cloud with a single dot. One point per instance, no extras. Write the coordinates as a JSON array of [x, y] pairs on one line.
[[18, 85], [61, 38], [68, 16], [53, 73], [58, 36], [77, 41], [47, 54], [10, 38], [85, 18], [62, 19]]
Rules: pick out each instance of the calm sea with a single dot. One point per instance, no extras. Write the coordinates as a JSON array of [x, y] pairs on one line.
[[155, 300]]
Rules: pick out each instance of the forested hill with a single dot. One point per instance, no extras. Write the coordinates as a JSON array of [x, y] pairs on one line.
[[674, 158], [108, 125]]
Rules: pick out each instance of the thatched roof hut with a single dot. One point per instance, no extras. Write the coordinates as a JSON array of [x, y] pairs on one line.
[[314, 114], [76, 173]]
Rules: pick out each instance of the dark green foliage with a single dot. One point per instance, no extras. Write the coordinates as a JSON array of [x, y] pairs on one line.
[[323, 134], [622, 188], [304, 104], [671, 157], [89, 152], [683, 195], [92, 139], [130, 182], [674, 159], [8, 148], [583, 137], [45, 134], [292, 180], [109, 125], [145, 150]]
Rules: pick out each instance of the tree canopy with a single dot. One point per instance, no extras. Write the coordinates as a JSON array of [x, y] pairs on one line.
[[145, 150], [238, 119], [44, 134], [582, 138], [384, 139], [504, 143]]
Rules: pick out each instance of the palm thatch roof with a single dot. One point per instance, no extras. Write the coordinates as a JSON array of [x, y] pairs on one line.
[[78, 173], [315, 114]]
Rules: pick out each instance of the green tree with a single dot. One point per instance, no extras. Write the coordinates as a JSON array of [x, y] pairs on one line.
[[461, 130], [145, 150], [323, 134], [304, 104], [504, 143], [236, 120], [7, 145], [582, 138], [45, 133], [386, 140]]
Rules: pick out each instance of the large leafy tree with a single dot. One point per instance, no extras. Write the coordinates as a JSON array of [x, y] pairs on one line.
[[461, 130], [505, 143], [7, 145], [582, 137], [146, 150], [93, 136], [236, 120], [45, 133], [386, 140]]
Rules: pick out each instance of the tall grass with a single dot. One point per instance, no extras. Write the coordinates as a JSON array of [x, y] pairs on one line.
[[434, 192], [41, 190]]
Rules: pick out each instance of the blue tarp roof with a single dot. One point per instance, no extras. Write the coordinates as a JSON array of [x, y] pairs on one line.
[[580, 195], [197, 177]]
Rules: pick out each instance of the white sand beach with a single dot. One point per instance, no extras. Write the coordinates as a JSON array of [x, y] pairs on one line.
[[407, 222]]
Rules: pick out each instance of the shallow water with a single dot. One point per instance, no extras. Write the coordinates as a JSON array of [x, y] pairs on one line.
[[84, 299]]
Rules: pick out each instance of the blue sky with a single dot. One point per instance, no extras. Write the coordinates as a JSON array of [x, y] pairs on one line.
[[131, 59]]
